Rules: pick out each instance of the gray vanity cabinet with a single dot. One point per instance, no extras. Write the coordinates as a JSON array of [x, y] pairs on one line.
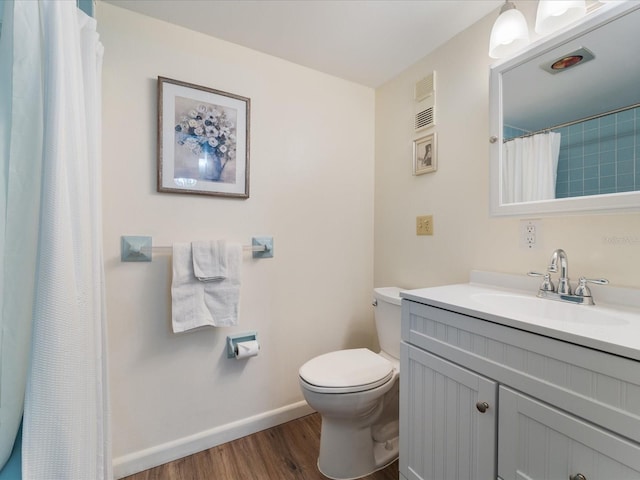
[[554, 410], [443, 434]]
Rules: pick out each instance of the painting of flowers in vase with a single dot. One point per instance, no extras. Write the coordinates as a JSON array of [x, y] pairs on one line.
[[206, 141], [206, 151]]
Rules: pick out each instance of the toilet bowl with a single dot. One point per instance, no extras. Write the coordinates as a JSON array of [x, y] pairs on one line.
[[356, 393]]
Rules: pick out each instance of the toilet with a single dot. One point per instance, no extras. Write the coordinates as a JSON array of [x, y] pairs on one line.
[[356, 393]]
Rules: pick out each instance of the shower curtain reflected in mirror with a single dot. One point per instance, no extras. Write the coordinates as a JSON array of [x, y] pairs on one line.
[[52, 320], [529, 168]]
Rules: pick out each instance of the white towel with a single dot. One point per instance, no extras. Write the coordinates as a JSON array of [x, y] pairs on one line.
[[196, 304], [209, 260]]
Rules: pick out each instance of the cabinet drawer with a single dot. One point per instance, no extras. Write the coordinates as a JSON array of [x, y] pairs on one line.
[[601, 387], [539, 442]]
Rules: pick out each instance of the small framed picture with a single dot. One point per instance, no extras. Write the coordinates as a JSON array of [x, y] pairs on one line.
[[203, 140], [425, 155]]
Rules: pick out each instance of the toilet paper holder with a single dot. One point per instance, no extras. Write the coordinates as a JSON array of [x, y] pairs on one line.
[[233, 340]]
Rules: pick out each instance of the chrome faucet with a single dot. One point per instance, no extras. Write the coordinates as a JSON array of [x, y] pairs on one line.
[[559, 255], [582, 295]]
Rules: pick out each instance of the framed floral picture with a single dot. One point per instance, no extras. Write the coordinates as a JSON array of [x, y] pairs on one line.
[[425, 155], [203, 140]]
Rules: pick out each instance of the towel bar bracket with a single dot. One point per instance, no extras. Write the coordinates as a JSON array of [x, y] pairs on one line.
[[135, 248], [267, 243]]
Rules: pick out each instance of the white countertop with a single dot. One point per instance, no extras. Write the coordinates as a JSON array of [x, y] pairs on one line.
[[612, 325]]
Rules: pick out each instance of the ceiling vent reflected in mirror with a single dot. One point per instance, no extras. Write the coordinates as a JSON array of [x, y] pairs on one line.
[[565, 62], [425, 97]]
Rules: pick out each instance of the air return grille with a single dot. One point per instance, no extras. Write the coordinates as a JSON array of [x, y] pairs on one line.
[[424, 115], [425, 97], [425, 87]]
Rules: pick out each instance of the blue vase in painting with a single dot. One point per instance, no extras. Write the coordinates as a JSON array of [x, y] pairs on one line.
[[209, 164]]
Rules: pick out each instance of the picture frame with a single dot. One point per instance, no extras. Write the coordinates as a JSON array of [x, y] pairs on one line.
[[203, 140], [425, 154]]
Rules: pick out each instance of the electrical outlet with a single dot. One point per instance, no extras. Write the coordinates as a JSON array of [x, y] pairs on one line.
[[530, 233], [424, 225]]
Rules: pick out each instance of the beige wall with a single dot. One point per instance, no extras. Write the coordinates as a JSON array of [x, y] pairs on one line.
[[312, 142], [457, 194]]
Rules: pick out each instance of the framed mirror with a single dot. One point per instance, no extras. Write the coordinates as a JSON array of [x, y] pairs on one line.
[[565, 120]]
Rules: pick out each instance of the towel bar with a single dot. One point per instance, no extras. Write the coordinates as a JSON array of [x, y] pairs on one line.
[[140, 248], [168, 248]]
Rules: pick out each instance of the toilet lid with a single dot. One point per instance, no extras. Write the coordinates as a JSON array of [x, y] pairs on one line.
[[353, 370]]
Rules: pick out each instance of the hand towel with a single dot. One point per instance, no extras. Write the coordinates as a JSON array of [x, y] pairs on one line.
[[209, 260], [196, 304]]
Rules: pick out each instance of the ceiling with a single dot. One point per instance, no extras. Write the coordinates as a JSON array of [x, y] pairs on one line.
[[364, 41]]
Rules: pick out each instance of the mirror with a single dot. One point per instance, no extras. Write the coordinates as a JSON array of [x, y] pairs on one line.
[[565, 120]]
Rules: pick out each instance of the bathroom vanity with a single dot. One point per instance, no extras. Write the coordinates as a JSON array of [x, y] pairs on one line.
[[497, 383]]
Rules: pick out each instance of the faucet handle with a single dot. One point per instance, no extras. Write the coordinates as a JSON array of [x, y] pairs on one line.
[[582, 289], [547, 284]]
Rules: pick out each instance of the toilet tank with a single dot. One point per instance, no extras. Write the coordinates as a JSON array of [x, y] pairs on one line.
[[387, 312]]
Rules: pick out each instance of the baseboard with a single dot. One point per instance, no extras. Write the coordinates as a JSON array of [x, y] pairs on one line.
[[167, 452]]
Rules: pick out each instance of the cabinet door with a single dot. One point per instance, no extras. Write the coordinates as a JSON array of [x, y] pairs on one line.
[[537, 441], [443, 435]]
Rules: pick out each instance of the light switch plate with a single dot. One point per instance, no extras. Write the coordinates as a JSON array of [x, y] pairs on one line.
[[424, 225]]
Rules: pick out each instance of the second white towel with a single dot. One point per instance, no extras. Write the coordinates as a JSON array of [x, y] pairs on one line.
[[209, 260], [195, 303]]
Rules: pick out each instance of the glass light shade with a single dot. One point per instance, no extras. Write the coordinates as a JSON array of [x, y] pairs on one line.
[[555, 14], [509, 34]]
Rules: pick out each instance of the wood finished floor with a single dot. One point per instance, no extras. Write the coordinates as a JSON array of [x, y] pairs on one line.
[[286, 452]]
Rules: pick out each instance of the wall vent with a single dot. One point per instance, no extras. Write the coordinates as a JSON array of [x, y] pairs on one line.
[[425, 114], [425, 87], [425, 97]]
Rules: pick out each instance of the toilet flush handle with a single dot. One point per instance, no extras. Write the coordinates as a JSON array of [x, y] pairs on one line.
[[374, 303]]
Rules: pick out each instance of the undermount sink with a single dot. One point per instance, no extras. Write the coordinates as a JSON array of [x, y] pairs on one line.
[[511, 304]]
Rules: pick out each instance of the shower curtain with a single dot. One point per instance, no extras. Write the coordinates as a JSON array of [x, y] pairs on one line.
[[529, 168], [52, 330]]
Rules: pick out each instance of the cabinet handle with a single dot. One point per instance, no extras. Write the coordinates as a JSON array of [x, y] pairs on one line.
[[484, 406], [577, 476]]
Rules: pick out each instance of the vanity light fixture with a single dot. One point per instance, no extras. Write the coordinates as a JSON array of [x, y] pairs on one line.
[[555, 14], [510, 32]]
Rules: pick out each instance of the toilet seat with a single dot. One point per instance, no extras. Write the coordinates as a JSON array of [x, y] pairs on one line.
[[346, 371]]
